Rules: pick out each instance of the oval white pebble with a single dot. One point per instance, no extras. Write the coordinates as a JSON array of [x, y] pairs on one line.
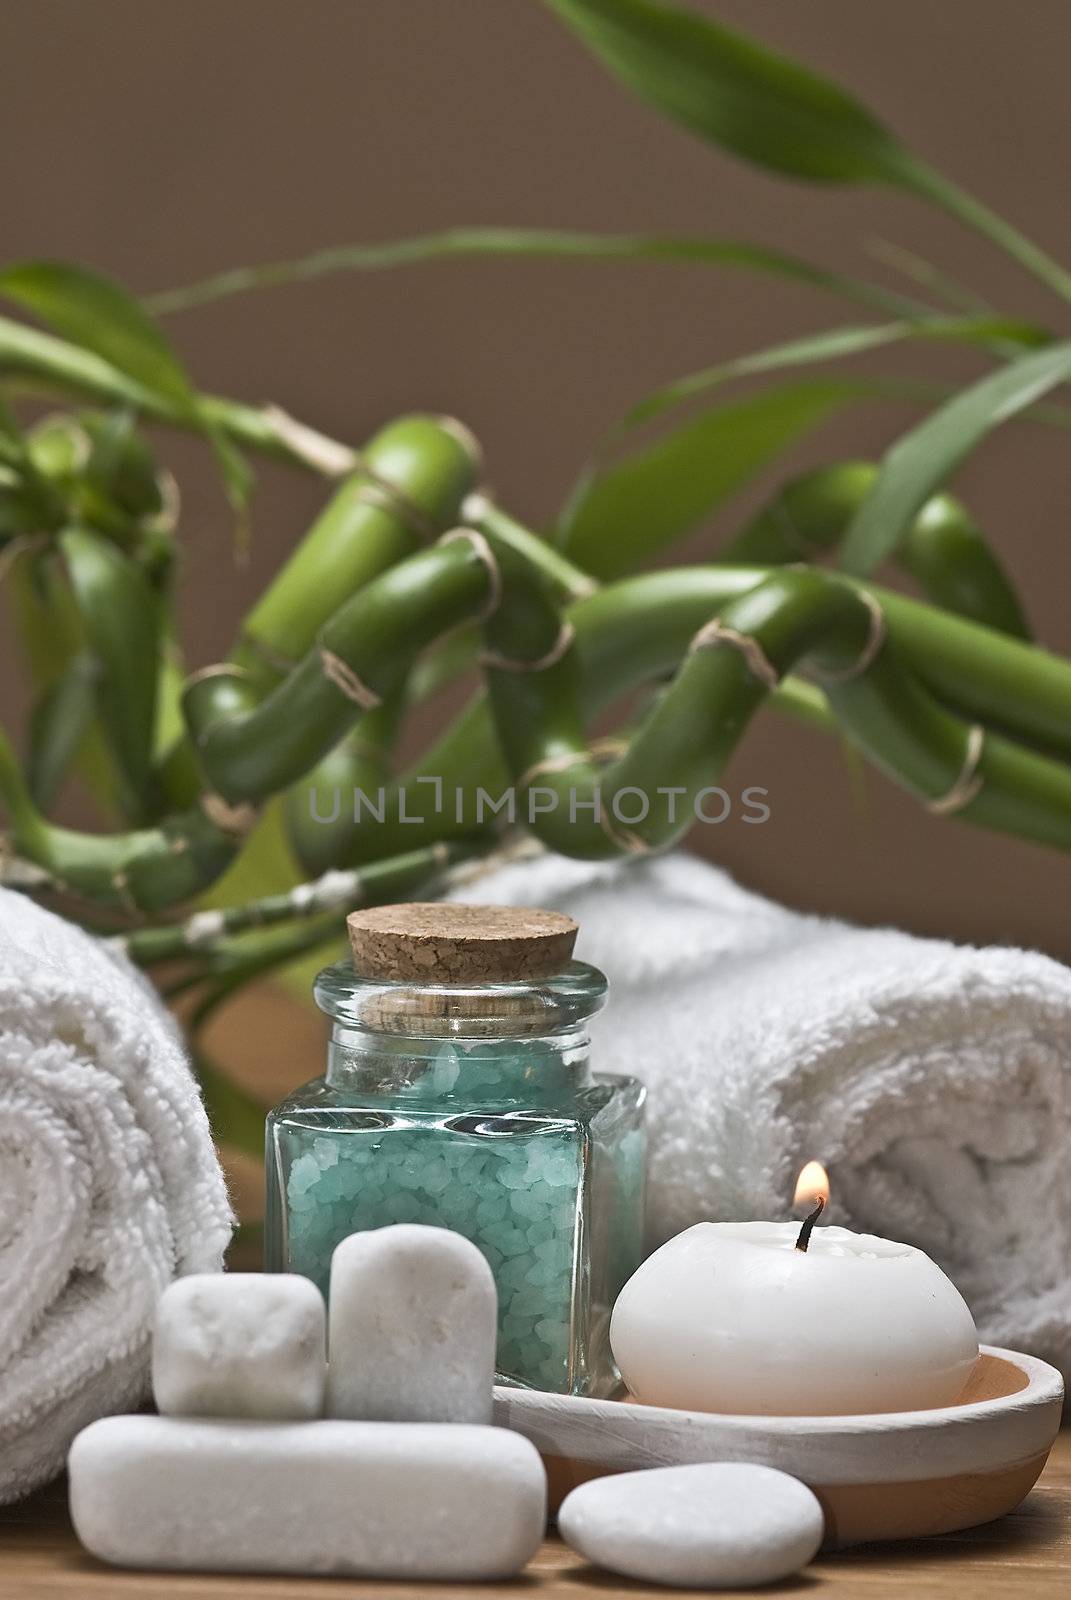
[[366, 1499], [711, 1526]]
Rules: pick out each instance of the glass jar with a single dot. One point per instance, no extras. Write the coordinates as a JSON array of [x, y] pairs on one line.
[[473, 1106]]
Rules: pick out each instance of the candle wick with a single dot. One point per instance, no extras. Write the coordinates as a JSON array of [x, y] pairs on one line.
[[808, 1227]]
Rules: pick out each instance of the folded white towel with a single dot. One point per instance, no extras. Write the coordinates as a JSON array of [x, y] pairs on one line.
[[109, 1185], [933, 1080]]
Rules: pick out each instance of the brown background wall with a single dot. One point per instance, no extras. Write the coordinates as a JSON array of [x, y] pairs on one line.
[[160, 141]]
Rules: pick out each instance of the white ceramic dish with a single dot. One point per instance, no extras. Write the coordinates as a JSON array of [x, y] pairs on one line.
[[888, 1475]]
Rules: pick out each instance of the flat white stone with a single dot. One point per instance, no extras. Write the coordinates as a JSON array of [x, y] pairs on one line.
[[242, 1344], [708, 1526], [412, 1327], [367, 1499]]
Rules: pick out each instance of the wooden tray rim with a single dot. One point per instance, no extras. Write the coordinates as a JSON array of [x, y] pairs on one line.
[[981, 1436]]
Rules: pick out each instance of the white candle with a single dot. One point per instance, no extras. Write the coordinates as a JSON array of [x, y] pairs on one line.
[[732, 1317]]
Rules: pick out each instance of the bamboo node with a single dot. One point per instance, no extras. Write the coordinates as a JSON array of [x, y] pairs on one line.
[[218, 669], [476, 504], [333, 888], [166, 520], [121, 885], [203, 928], [608, 748], [551, 764], [601, 752], [622, 837], [550, 658], [582, 588], [969, 781], [278, 660], [868, 655], [759, 664], [520, 847], [237, 820], [342, 675], [383, 495], [485, 554], [324, 455], [464, 436], [336, 890]]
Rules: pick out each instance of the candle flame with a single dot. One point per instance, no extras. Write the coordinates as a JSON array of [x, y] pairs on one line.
[[812, 1185]]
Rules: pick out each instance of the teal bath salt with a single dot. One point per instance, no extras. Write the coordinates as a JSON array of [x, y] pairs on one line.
[[469, 1102]]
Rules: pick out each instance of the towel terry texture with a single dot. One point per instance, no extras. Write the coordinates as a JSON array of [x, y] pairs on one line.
[[933, 1080], [109, 1185]]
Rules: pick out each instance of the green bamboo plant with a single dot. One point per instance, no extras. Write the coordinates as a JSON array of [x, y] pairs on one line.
[[213, 863]]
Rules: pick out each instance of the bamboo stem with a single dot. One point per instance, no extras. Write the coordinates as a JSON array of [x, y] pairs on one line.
[[637, 630], [319, 808], [251, 746], [142, 870], [205, 931], [980, 674], [910, 706], [791, 617], [563, 578], [406, 491], [944, 550]]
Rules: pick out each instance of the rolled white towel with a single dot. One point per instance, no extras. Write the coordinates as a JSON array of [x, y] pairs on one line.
[[933, 1080], [109, 1185]]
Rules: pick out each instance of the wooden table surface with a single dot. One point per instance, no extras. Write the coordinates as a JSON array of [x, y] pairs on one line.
[[1026, 1556]]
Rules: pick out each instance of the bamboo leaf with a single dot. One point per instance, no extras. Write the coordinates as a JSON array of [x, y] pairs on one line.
[[170, 680], [833, 344], [121, 617], [725, 88], [638, 507], [42, 363], [772, 111], [35, 357], [59, 725], [50, 634], [102, 318], [527, 243], [923, 460], [595, 504]]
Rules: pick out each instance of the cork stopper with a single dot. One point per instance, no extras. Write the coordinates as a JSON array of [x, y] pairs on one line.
[[431, 942]]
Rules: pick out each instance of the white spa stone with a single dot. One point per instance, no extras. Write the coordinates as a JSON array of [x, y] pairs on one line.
[[716, 1526], [243, 1344], [412, 1327], [366, 1499]]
